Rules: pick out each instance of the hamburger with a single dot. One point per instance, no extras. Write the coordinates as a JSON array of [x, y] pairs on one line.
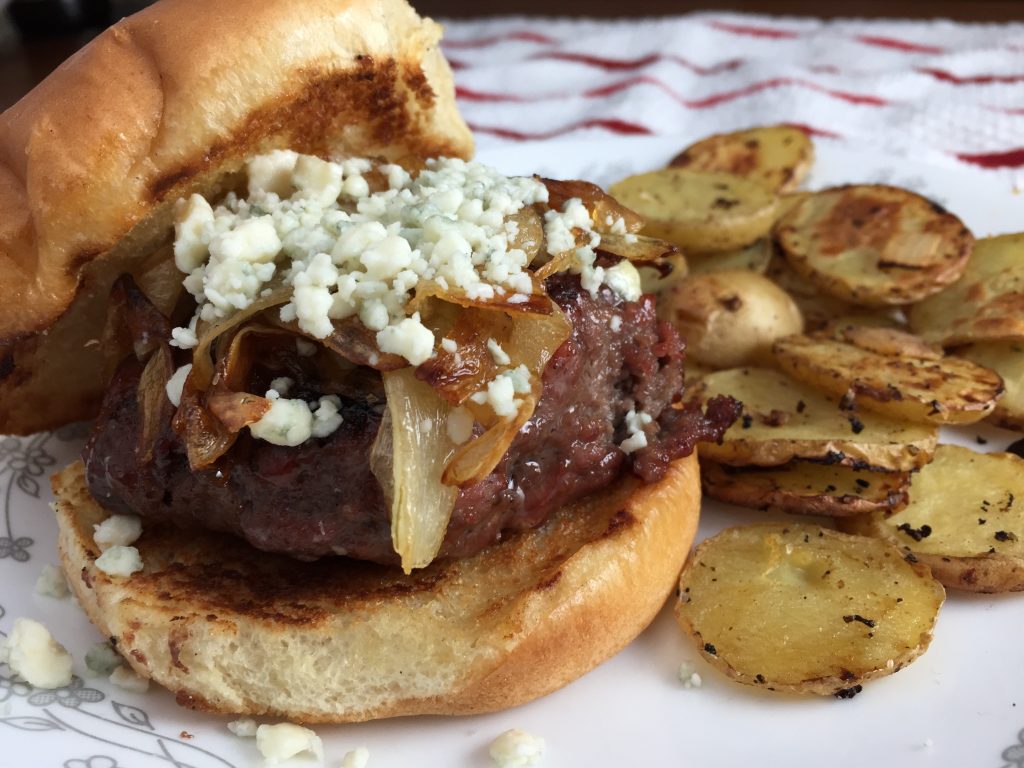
[[404, 435]]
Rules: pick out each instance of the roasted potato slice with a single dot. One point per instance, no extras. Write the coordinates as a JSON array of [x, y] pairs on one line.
[[817, 308], [804, 487], [1007, 359], [965, 520], [789, 201], [693, 372], [903, 382], [864, 319], [754, 258], [986, 303], [874, 245], [883, 339], [699, 211], [784, 419], [777, 156], [804, 609], [730, 318]]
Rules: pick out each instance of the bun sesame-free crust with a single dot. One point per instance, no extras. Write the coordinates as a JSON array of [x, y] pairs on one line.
[[172, 101], [230, 629]]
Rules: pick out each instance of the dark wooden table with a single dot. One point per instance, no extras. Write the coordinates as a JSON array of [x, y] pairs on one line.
[[25, 63]]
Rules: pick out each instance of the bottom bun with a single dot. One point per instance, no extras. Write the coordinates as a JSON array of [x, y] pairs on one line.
[[231, 629]]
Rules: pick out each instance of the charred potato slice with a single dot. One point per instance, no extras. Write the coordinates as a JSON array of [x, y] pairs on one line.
[[874, 245], [965, 520], [804, 609], [883, 339], [776, 156], [804, 487], [1007, 359], [699, 211], [784, 419], [915, 387], [729, 318], [986, 303], [753, 258]]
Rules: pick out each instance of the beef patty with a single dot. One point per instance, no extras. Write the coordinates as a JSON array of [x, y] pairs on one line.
[[321, 498]]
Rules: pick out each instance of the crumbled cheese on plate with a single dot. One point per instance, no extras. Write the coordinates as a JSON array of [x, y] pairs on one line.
[[51, 583], [356, 758], [689, 677], [285, 740], [244, 728], [101, 659], [516, 748], [32, 654], [126, 679]]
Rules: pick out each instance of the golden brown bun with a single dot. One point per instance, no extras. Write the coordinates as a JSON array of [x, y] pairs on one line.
[[168, 102], [233, 630]]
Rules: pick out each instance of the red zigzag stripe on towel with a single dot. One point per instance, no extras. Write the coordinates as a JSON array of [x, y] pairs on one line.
[[744, 30], [714, 100], [949, 77], [523, 36], [810, 130], [619, 127], [1013, 158], [749, 30], [895, 44], [613, 65]]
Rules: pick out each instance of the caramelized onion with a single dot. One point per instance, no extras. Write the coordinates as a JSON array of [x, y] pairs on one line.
[[210, 419], [159, 279], [421, 505], [532, 342], [529, 236], [205, 436], [638, 249], [659, 263], [236, 409], [151, 395], [457, 375], [209, 333], [353, 341], [604, 209], [133, 323], [536, 303], [478, 458]]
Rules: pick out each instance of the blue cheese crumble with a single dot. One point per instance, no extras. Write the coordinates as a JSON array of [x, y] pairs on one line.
[[346, 252], [516, 748], [314, 228], [120, 561], [51, 583], [635, 423], [32, 654], [284, 741], [356, 758]]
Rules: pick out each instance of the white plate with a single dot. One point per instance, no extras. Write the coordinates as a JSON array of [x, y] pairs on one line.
[[956, 706]]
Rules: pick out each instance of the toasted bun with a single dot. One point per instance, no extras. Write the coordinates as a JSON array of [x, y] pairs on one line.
[[169, 102], [233, 630]]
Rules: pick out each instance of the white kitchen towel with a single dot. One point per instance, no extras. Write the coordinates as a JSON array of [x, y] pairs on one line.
[[945, 93]]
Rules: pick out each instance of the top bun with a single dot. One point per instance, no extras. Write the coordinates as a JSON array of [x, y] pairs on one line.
[[169, 102]]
